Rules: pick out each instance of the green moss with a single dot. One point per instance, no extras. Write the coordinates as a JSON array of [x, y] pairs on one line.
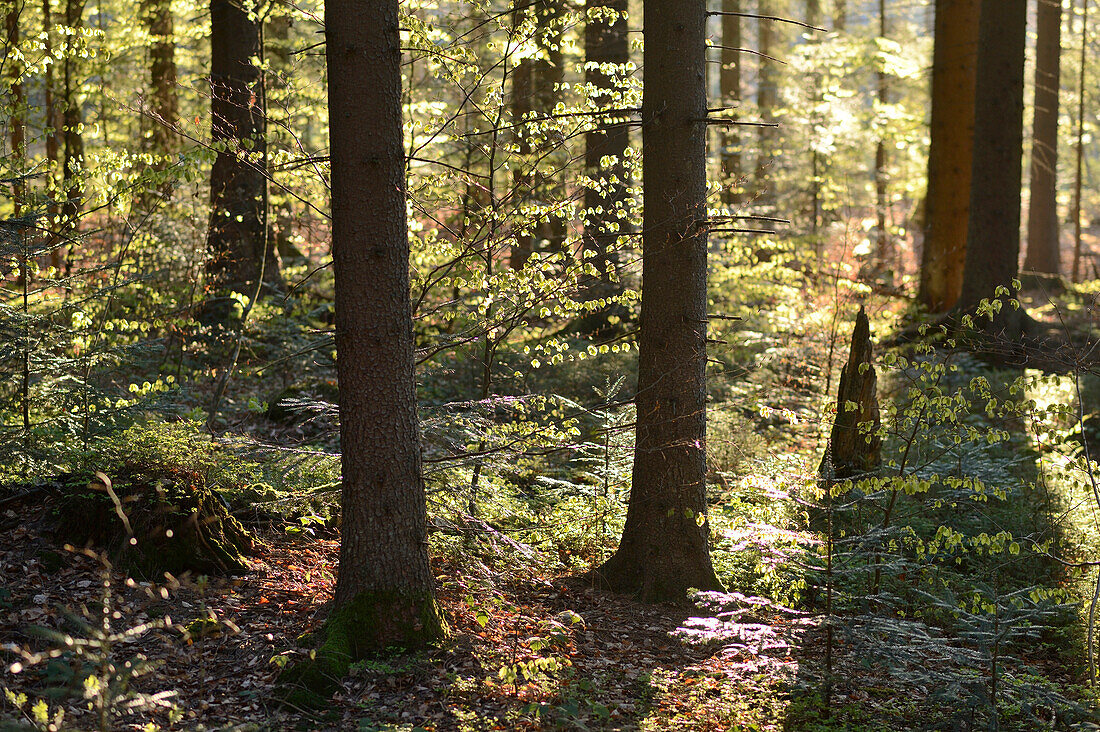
[[370, 623]]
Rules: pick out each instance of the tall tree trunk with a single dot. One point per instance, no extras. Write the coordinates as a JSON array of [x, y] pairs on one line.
[[1078, 180], [52, 130], [279, 49], [950, 155], [17, 102], [240, 252], [884, 250], [729, 82], [163, 96], [162, 141], [767, 94], [664, 547], [993, 237], [1043, 249], [840, 15], [606, 44], [384, 586], [548, 75], [73, 120], [813, 17], [522, 91]]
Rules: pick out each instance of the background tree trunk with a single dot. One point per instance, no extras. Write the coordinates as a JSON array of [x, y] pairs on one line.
[[163, 99], [72, 121], [522, 81], [993, 238], [1043, 241], [767, 93], [240, 252], [278, 46], [950, 155], [547, 76], [383, 574], [729, 81], [607, 44], [664, 547], [17, 102]]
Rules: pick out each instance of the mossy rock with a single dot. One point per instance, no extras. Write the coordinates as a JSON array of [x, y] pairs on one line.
[[371, 623], [174, 522]]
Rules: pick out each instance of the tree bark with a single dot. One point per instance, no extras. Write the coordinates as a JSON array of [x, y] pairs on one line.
[[993, 237], [767, 94], [606, 47], [664, 548], [522, 92], [729, 82], [17, 102], [950, 155], [162, 77], [240, 252], [1078, 179], [72, 122], [383, 547], [279, 49], [1043, 248], [53, 125], [840, 15], [884, 249], [163, 100], [548, 75]]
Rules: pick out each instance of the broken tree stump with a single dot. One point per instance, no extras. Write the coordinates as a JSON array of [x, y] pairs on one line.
[[855, 447]]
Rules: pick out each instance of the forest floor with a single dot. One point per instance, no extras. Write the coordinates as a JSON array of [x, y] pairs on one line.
[[534, 647]]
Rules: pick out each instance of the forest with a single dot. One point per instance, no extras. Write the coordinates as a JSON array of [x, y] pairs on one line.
[[417, 365]]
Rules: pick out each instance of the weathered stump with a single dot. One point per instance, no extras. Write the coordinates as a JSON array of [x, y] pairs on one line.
[[855, 447]]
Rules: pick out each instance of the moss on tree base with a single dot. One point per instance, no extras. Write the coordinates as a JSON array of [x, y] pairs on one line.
[[370, 623]]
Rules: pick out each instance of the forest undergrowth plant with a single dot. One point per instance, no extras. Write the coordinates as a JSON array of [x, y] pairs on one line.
[[943, 553], [89, 659]]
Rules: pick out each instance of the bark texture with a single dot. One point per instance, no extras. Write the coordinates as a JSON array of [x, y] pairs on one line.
[[855, 449], [729, 82], [163, 97], [1043, 250], [993, 237], [72, 121], [664, 548], [240, 253], [767, 95], [950, 155], [607, 51], [17, 102], [383, 547]]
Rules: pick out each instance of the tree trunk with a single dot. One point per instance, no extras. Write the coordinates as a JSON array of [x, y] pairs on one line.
[[52, 124], [664, 547], [384, 574], [239, 250], [729, 81], [605, 44], [279, 49], [1043, 250], [163, 99], [884, 250], [1078, 180], [950, 155], [767, 92], [73, 120], [163, 95], [522, 81], [547, 76], [993, 238], [18, 104], [840, 16]]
